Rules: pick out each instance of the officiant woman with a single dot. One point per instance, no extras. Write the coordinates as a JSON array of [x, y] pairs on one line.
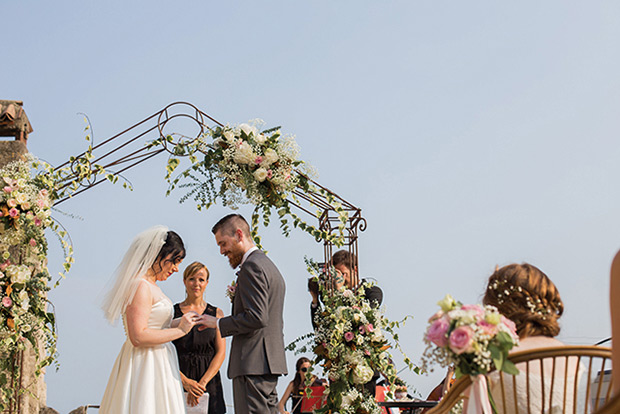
[[201, 353]]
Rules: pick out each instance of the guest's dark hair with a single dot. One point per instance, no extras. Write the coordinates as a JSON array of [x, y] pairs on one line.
[[173, 247], [299, 379], [525, 295], [229, 224], [346, 258]]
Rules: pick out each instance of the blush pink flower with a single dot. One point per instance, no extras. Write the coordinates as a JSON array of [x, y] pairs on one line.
[[348, 336], [487, 328], [43, 192], [7, 302], [437, 332], [14, 212], [11, 202], [510, 324], [32, 242], [436, 316], [476, 308], [37, 222], [7, 189], [369, 327], [258, 160], [4, 265], [461, 339]]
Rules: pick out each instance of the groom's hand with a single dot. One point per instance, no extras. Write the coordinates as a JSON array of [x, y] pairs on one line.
[[206, 321]]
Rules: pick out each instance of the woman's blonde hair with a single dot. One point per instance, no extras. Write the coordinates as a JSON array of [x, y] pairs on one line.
[[194, 268], [525, 295]]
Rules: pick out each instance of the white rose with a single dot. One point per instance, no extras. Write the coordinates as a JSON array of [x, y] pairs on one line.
[[244, 154], [260, 138], [260, 174], [248, 129], [21, 198], [229, 135], [360, 340], [362, 374], [377, 335], [18, 274], [23, 298], [270, 157]]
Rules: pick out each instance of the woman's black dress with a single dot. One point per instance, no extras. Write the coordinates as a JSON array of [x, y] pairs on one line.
[[196, 351]]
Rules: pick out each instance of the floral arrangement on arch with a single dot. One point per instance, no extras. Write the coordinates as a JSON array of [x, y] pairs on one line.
[[256, 167], [350, 344], [25, 210], [473, 338]]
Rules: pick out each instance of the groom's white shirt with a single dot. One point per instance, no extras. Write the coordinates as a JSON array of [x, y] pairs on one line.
[[245, 256]]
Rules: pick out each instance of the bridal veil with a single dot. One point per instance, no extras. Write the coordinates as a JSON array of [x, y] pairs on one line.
[[137, 261]]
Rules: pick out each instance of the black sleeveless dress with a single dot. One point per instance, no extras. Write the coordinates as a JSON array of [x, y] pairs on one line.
[[195, 351]]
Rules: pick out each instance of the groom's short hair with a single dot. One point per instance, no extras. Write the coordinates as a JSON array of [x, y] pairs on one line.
[[229, 224], [346, 258]]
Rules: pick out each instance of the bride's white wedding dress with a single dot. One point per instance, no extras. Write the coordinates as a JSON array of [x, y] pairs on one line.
[[146, 380]]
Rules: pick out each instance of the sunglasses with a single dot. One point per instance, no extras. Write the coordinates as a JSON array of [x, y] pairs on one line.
[[303, 369]]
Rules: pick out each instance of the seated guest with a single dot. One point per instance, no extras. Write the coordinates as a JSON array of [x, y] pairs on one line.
[[345, 264], [201, 352], [295, 388], [525, 295]]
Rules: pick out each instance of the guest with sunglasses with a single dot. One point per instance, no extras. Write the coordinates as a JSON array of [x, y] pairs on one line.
[[295, 389]]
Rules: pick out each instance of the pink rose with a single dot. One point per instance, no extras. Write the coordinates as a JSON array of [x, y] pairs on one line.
[[487, 328], [461, 339], [269, 173], [510, 325], [369, 327], [436, 333], [7, 302], [33, 242], [476, 308], [43, 192], [258, 160], [436, 316], [7, 189], [348, 336], [37, 222], [13, 212]]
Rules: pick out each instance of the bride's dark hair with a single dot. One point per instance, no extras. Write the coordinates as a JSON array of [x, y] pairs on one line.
[[172, 247]]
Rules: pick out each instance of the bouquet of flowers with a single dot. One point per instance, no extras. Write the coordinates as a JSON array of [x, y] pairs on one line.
[[474, 338]]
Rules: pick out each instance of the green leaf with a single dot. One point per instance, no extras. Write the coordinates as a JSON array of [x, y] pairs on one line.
[[510, 368]]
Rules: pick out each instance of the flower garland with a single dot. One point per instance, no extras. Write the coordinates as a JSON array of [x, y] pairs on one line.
[[25, 210], [350, 344], [252, 166]]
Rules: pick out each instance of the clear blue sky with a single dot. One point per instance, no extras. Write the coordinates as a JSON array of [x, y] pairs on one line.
[[471, 133]]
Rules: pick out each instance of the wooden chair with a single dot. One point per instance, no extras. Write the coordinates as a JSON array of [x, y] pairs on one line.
[[576, 379]]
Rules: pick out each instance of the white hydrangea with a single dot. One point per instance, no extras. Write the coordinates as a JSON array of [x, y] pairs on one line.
[[362, 373], [244, 154]]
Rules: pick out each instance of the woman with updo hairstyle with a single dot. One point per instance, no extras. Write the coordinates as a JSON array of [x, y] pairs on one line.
[[145, 377], [526, 296]]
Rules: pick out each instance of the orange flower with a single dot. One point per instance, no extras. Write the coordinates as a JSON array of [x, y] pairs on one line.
[[9, 289], [10, 323]]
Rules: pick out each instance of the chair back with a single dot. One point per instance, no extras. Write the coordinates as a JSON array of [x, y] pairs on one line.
[[564, 379]]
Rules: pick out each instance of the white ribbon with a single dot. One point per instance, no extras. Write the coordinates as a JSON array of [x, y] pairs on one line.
[[478, 402]]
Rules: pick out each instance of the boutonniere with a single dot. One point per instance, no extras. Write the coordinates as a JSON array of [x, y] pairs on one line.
[[230, 290]]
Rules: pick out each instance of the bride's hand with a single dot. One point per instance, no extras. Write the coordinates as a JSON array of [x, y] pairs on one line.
[[187, 322]]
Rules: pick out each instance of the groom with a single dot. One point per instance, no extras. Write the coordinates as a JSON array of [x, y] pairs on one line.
[[257, 352]]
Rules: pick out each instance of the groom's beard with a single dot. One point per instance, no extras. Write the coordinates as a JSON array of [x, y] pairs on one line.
[[235, 259]]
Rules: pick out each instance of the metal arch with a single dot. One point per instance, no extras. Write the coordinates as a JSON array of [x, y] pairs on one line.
[[125, 155]]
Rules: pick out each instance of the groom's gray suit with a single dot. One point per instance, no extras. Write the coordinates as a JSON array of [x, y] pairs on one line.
[[256, 325]]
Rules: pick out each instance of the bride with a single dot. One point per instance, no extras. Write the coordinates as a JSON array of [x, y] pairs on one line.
[[145, 377]]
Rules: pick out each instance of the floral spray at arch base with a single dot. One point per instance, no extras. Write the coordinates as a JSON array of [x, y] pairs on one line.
[[350, 344]]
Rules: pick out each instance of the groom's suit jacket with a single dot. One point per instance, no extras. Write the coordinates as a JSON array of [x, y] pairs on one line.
[[256, 323]]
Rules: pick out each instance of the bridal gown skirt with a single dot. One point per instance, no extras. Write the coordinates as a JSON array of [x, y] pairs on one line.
[[145, 380]]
